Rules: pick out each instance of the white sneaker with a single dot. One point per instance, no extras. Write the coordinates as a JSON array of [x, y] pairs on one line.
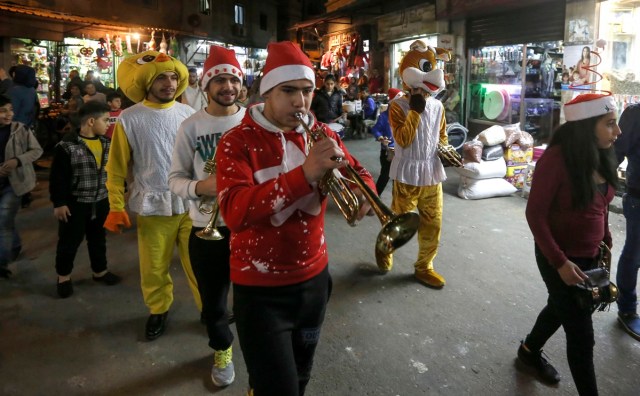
[[222, 372]]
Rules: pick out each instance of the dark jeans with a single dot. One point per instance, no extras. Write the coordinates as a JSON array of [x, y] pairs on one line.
[[86, 220], [563, 310], [9, 238], [210, 264], [385, 165], [629, 262], [278, 329]]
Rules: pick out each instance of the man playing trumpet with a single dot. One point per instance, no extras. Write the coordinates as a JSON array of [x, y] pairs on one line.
[[196, 143], [268, 178]]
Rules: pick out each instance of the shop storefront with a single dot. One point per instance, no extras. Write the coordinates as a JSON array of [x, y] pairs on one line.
[[347, 54], [619, 45], [251, 59], [515, 68]]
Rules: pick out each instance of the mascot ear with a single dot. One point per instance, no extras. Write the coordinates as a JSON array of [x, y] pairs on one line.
[[443, 54]]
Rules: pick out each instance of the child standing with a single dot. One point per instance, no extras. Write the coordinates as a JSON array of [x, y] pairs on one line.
[[114, 100], [18, 149], [79, 195]]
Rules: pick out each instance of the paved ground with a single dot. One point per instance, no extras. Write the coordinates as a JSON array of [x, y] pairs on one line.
[[383, 335]]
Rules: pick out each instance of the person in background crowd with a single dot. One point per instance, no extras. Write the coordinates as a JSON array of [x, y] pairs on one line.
[[68, 120], [567, 213], [194, 96], [375, 82], [74, 79], [79, 195], [254, 92], [382, 132], [92, 93], [243, 96], [196, 143], [5, 82], [352, 89], [18, 149], [628, 145], [142, 142], [114, 100], [23, 95], [267, 182], [327, 102], [91, 76], [363, 81]]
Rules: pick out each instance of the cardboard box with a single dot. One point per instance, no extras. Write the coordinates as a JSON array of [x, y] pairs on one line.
[[516, 175], [514, 155]]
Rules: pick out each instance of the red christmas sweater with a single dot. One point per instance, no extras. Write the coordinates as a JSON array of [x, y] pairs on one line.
[[276, 218]]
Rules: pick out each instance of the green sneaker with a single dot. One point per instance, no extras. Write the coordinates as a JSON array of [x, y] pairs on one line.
[[222, 372]]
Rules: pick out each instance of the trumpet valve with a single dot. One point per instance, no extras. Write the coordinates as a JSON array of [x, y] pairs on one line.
[[210, 166]]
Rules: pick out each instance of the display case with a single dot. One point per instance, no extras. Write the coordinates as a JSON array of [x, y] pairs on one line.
[[514, 83]]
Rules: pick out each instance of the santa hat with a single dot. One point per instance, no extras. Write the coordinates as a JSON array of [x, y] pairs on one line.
[[285, 62], [221, 60], [392, 93], [589, 105]]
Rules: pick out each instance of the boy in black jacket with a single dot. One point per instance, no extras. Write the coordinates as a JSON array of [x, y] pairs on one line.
[[79, 195]]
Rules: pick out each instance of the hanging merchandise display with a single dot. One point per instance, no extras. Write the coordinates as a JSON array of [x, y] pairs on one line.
[[347, 55]]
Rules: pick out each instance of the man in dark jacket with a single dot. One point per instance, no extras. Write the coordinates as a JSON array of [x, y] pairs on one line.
[[327, 101], [23, 94]]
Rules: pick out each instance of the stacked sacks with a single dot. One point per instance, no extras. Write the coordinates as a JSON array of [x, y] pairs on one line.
[[484, 166], [518, 154]]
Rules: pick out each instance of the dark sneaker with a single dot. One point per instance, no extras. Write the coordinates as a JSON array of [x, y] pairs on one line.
[[65, 289], [535, 360], [109, 279], [630, 322]]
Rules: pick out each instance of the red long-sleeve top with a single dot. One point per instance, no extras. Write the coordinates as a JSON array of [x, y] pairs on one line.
[[276, 218], [559, 230]]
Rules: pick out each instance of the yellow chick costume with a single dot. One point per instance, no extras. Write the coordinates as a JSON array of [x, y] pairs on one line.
[[143, 141], [416, 169]]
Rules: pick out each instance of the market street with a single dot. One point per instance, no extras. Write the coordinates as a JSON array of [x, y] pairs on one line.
[[383, 335]]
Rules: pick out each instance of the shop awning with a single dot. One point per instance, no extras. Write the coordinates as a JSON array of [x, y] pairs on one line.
[[52, 25], [344, 15]]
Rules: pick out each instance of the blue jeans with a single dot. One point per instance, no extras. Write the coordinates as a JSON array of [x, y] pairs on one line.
[[9, 239], [629, 262]]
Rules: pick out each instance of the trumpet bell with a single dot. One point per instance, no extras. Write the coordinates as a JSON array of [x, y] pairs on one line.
[[396, 232], [211, 234]]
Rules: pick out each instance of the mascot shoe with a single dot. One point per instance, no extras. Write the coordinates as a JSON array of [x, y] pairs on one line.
[[430, 277]]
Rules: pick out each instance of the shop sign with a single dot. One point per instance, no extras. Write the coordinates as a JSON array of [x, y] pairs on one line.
[[339, 39]]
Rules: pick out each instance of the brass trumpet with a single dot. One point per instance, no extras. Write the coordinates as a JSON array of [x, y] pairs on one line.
[[210, 232], [396, 229], [449, 156]]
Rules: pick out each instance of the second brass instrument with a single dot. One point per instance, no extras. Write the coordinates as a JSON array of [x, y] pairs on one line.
[[449, 156], [397, 229], [210, 232]]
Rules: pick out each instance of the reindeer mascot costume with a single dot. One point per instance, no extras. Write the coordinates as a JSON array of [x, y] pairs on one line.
[[418, 126], [142, 145]]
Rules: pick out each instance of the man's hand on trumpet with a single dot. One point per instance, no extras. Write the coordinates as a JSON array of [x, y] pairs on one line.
[[365, 206], [324, 155], [207, 187]]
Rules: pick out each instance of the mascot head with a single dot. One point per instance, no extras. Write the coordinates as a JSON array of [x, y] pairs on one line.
[[418, 68], [137, 73]]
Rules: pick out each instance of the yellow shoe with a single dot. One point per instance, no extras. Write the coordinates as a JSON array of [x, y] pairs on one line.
[[250, 392], [430, 278], [384, 261]]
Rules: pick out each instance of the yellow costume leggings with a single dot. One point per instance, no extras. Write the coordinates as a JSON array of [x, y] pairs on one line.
[[157, 236], [428, 200]]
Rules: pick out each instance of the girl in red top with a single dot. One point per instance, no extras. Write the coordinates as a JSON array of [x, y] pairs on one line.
[[573, 184]]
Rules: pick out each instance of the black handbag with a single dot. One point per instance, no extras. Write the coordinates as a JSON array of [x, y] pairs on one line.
[[597, 292]]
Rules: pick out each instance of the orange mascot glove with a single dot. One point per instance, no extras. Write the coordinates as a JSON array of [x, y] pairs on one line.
[[116, 221]]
